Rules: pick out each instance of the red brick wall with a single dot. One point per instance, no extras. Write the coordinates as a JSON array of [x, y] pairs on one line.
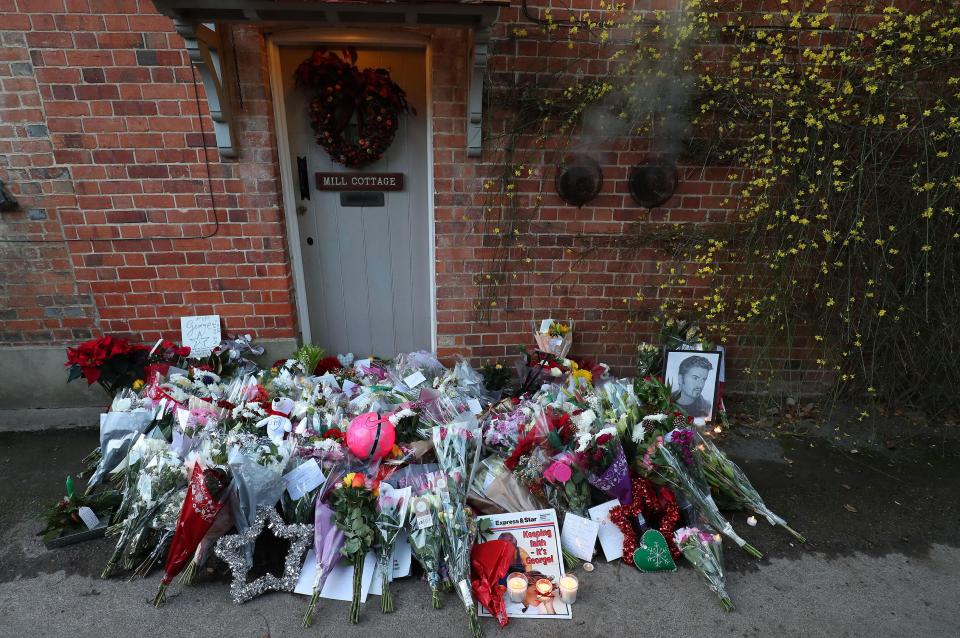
[[98, 122], [100, 140]]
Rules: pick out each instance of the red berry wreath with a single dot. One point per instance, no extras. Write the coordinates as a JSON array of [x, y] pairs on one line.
[[343, 90]]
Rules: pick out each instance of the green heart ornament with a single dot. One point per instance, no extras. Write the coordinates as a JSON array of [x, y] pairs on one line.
[[653, 555]]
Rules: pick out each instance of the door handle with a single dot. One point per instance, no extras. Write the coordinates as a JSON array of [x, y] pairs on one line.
[[303, 177]]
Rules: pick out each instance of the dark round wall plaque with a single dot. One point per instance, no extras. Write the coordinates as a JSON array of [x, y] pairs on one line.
[[579, 180], [653, 184]]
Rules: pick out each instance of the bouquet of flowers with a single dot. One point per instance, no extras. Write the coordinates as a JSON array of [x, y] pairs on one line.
[[119, 430], [606, 465], [328, 541], [648, 357], [654, 394], [726, 477], [703, 550], [555, 339], [426, 537], [675, 471], [200, 508], [354, 504], [496, 376], [222, 524], [457, 448], [539, 367], [391, 515], [156, 478], [503, 430], [565, 486], [256, 465]]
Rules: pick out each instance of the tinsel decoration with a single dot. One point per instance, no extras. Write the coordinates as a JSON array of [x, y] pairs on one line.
[[654, 506], [231, 550]]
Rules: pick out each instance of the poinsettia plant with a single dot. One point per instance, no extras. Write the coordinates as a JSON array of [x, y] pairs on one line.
[[113, 362]]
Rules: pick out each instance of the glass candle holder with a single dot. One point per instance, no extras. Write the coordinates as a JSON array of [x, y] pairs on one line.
[[544, 587], [568, 588], [517, 587]]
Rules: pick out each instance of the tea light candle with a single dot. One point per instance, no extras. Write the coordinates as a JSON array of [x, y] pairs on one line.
[[568, 589], [544, 586], [517, 587]]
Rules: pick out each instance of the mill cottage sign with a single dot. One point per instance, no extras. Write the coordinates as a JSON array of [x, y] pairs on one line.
[[360, 181]]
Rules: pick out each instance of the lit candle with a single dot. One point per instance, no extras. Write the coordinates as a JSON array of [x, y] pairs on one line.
[[544, 586], [568, 589], [517, 587]]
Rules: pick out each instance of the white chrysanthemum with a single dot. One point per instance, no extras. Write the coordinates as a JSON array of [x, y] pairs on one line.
[[396, 417], [660, 418], [584, 439], [638, 433], [584, 420]]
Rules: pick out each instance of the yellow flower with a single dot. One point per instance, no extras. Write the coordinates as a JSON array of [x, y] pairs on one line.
[[137, 385], [348, 479]]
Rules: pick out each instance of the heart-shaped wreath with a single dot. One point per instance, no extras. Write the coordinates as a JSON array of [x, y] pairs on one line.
[[341, 91]]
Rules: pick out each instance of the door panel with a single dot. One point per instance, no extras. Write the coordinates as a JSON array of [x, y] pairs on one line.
[[367, 270]]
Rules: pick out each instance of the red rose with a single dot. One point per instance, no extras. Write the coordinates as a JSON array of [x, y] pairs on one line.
[[603, 438]]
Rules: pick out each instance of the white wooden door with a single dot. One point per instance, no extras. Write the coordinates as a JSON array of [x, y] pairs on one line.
[[366, 269]]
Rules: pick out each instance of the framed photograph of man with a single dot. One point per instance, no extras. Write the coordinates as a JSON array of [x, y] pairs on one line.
[[693, 375]]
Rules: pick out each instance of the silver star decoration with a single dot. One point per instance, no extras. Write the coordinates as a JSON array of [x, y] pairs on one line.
[[231, 550]]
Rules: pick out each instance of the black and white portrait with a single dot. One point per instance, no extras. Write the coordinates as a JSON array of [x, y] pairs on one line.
[[692, 375]]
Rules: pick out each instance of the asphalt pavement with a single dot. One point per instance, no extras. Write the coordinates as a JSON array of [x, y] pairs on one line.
[[882, 559]]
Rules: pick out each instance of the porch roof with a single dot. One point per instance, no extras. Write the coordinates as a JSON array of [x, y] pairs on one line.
[[211, 48]]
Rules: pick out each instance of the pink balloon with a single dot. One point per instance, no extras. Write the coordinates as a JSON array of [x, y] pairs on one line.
[[371, 436]]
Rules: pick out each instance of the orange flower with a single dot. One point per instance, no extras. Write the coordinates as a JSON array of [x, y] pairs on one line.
[[357, 480]]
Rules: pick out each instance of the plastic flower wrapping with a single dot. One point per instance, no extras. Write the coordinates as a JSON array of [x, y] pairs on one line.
[[196, 450]]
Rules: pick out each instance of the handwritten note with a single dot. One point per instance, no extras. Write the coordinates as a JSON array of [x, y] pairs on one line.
[[414, 379], [579, 536], [201, 334], [303, 478], [611, 538], [88, 517]]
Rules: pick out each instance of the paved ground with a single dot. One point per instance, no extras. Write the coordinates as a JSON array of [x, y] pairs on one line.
[[889, 568]]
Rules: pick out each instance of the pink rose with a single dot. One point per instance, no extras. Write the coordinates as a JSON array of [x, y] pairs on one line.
[[558, 472]]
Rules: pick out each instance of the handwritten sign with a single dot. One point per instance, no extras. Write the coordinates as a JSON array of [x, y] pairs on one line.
[[611, 538], [201, 334], [359, 181], [579, 536]]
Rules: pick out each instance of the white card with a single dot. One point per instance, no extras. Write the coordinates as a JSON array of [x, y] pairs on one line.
[[348, 386], [339, 585], [545, 326], [303, 478], [414, 379], [183, 416], [201, 334], [474, 406], [611, 538], [330, 380], [88, 517], [579, 536]]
